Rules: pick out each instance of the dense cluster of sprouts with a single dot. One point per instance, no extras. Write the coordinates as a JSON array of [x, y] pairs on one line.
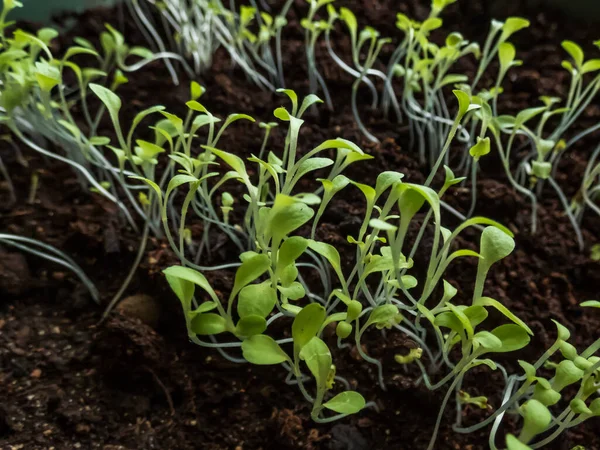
[[414, 81], [289, 285]]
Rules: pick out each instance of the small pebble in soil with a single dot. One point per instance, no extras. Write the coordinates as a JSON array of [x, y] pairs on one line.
[[141, 306]]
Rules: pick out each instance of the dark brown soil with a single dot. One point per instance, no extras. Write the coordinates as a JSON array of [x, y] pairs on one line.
[[67, 382]]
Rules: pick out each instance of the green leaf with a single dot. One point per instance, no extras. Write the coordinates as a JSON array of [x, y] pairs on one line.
[[249, 271], [487, 301], [476, 314], [481, 148], [511, 26], [527, 114], [348, 16], [339, 143], [294, 99], [578, 406], [566, 374], [47, 75], [203, 308], [263, 351], [287, 215], [295, 291], [512, 443], [593, 65], [110, 100], [73, 51], [317, 357], [513, 337], [308, 101], [235, 162], [385, 180], [312, 164], [409, 203], [384, 316], [196, 90], [506, 54], [99, 140], [529, 370], [250, 325], [329, 252], [184, 274], [381, 225], [369, 193], [208, 324], [488, 341], [495, 245], [448, 320], [145, 113], [307, 324], [291, 249], [453, 79], [575, 52], [536, 419], [464, 101], [591, 304], [541, 169], [348, 402], [257, 300], [148, 151], [488, 362]]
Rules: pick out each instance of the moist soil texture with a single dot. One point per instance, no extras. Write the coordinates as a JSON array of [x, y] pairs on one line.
[[134, 381]]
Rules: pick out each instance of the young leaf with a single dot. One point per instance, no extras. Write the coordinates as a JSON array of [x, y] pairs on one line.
[[575, 51], [495, 245], [591, 304], [295, 291], [329, 252], [234, 161], [256, 299], [464, 103], [196, 90], [249, 271], [293, 97], [291, 249], [386, 180], [308, 101], [191, 276], [567, 373], [536, 419], [208, 324], [307, 324], [348, 402], [287, 215], [511, 26], [99, 140], [310, 165], [481, 148], [488, 341], [263, 350], [384, 316], [381, 225], [47, 75], [317, 357], [513, 337], [512, 443], [506, 55], [250, 326], [110, 100], [486, 301]]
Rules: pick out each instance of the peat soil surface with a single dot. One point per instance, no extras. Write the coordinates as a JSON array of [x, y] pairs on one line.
[[68, 382]]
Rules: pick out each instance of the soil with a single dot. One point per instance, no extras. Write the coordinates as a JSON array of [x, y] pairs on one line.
[[68, 381]]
